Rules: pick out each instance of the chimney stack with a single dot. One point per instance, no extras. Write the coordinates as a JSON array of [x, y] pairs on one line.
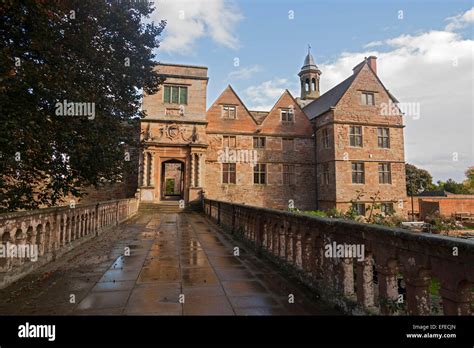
[[372, 61]]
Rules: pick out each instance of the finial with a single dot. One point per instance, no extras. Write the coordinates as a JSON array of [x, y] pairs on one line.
[[309, 48]]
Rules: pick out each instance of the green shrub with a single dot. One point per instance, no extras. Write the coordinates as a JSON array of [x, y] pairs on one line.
[[441, 223], [319, 213]]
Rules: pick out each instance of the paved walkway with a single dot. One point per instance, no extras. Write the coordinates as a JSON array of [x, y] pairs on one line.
[[179, 264]]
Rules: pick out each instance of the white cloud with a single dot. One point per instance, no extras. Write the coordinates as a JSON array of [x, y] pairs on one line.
[[244, 73], [460, 21], [265, 95], [434, 69], [191, 20], [374, 44]]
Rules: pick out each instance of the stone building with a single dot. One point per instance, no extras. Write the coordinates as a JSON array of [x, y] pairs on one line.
[[280, 147], [359, 144], [313, 152], [174, 136]]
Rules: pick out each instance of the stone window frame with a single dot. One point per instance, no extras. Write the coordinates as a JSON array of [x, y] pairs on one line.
[[171, 86], [385, 173], [229, 137], [259, 145], [260, 173], [290, 116], [225, 111], [325, 138], [288, 176], [358, 173], [353, 137], [290, 149], [383, 141], [359, 208], [364, 98], [387, 208], [229, 173], [325, 173]]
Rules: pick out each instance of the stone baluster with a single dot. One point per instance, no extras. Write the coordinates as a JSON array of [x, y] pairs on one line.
[[457, 298], [388, 285], [299, 249], [307, 256], [365, 284], [418, 297]]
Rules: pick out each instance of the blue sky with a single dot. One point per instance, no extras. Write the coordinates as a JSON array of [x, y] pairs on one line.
[[429, 39]]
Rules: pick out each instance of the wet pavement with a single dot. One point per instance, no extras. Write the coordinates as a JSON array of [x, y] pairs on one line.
[[160, 264]]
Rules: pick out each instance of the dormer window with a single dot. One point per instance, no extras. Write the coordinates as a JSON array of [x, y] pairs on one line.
[[367, 98], [229, 112], [287, 115]]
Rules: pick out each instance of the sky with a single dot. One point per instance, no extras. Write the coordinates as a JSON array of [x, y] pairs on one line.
[[425, 53]]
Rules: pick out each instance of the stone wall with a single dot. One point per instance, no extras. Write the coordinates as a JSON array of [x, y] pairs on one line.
[[367, 284], [194, 78], [53, 232], [339, 155]]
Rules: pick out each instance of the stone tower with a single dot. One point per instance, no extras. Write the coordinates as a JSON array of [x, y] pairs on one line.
[[309, 78]]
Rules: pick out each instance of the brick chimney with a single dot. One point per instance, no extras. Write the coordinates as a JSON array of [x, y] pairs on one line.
[[372, 61]]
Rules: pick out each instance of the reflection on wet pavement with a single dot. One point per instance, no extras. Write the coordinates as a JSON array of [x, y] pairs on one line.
[[176, 264]]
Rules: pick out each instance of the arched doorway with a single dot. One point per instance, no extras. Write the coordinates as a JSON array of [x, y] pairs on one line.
[[172, 180]]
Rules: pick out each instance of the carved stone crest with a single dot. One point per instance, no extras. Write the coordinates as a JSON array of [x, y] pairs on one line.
[[174, 132]]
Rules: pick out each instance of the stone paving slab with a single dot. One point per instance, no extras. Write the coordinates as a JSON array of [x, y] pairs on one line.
[[179, 264]]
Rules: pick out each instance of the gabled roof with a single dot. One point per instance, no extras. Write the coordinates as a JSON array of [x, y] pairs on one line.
[[240, 100], [285, 92], [330, 99]]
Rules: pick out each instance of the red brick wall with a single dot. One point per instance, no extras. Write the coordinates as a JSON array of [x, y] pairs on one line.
[[446, 206]]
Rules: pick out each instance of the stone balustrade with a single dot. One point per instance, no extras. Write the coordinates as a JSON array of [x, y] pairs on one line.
[[401, 272], [30, 239]]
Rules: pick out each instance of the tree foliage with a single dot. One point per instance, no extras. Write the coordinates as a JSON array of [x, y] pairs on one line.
[[83, 51], [452, 186], [469, 183], [418, 180]]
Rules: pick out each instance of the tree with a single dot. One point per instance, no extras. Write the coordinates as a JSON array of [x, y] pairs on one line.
[[469, 183], [418, 180], [91, 53], [453, 187]]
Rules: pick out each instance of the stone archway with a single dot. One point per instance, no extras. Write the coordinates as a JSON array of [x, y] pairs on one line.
[[172, 180]]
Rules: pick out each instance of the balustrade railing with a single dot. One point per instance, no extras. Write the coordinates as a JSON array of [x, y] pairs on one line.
[[361, 267], [29, 239]]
